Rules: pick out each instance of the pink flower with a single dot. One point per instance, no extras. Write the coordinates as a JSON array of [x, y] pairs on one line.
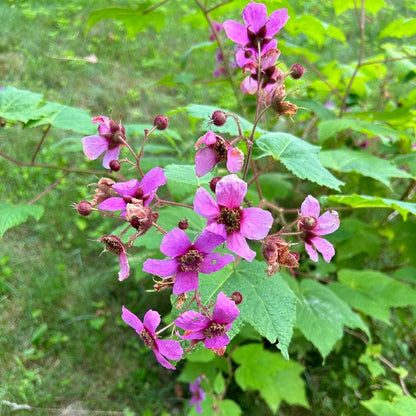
[[314, 225], [144, 190], [110, 138], [217, 29], [257, 32], [188, 259], [211, 330], [198, 394], [227, 218], [217, 150], [163, 348], [114, 244]]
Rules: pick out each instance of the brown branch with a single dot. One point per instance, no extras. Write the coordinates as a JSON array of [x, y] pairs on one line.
[[384, 360], [150, 9], [48, 189], [41, 142]]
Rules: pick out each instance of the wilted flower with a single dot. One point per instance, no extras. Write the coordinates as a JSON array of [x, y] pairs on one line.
[[114, 244], [103, 191], [164, 349], [211, 330], [276, 252], [218, 150], [198, 394], [109, 139], [314, 225], [227, 218], [188, 259]]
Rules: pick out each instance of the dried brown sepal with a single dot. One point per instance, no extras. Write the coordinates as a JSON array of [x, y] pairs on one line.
[[103, 191], [276, 252], [139, 216], [164, 284], [180, 301]]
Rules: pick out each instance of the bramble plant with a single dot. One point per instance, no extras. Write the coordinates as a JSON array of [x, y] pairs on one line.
[[245, 272]]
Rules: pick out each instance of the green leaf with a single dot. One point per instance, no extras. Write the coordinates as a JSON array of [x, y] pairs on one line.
[[268, 303], [372, 6], [314, 106], [345, 160], [329, 128], [372, 292], [321, 315], [399, 28], [298, 156], [229, 407], [219, 383], [275, 378], [366, 201], [18, 105], [402, 406], [12, 215]]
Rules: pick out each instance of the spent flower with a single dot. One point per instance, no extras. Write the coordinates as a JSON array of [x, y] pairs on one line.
[[115, 245]]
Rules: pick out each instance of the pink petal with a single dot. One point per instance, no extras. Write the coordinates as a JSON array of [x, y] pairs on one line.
[[207, 241], [114, 203], [217, 342], [236, 31], [225, 311], [192, 321], [93, 146], [324, 247], [151, 321], [185, 282], [124, 267], [205, 205], [312, 253], [214, 262], [328, 222], [152, 180], [230, 191], [205, 161], [128, 188], [276, 21], [175, 243], [310, 207], [240, 58], [163, 361], [171, 349], [255, 223], [238, 245], [269, 58], [131, 319], [248, 86], [235, 159], [216, 228], [209, 138], [164, 268], [111, 155], [255, 16]]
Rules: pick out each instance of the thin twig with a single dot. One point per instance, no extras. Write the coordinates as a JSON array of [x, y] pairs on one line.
[[218, 5], [392, 367], [41, 142], [48, 189], [384, 61], [150, 9]]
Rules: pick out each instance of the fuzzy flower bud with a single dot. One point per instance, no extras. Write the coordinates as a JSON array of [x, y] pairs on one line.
[[297, 71], [218, 118], [183, 224], [237, 297], [161, 122], [213, 183], [84, 208], [115, 165]]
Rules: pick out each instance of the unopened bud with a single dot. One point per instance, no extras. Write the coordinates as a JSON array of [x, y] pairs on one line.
[[218, 118], [115, 165], [155, 216], [161, 122], [213, 183], [297, 71], [237, 297], [84, 208], [183, 224]]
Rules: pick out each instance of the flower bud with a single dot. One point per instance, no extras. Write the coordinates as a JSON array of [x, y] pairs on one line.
[[237, 297], [161, 122], [218, 118], [297, 71], [213, 183], [286, 108], [114, 165], [183, 224], [84, 208]]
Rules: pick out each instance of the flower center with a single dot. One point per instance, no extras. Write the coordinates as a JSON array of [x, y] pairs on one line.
[[307, 223], [214, 330], [112, 245], [148, 339], [230, 217], [190, 261], [220, 149]]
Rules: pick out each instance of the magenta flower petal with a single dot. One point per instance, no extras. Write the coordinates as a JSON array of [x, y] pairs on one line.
[[209, 138], [185, 282], [94, 146], [192, 321], [171, 349], [217, 342], [310, 207], [127, 188], [328, 222], [324, 247], [312, 253], [205, 205], [151, 321], [163, 361], [214, 262], [175, 243], [248, 86], [114, 203], [255, 16], [205, 161], [197, 335], [269, 59], [163, 268], [225, 311], [124, 266], [276, 21], [255, 223], [111, 155], [235, 159], [207, 241], [152, 180], [236, 31], [132, 320], [230, 191], [217, 229], [238, 245]]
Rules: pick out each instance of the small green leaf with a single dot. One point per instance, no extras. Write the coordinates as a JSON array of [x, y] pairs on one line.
[[298, 156], [372, 6], [219, 383], [399, 28], [229, 407], [372, 293], [401, 406], [346, 160], [12, 215], [18, 105], [315, 106]]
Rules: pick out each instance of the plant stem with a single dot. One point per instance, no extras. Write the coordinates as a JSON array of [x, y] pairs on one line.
[[48, 189], [41, 142]]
